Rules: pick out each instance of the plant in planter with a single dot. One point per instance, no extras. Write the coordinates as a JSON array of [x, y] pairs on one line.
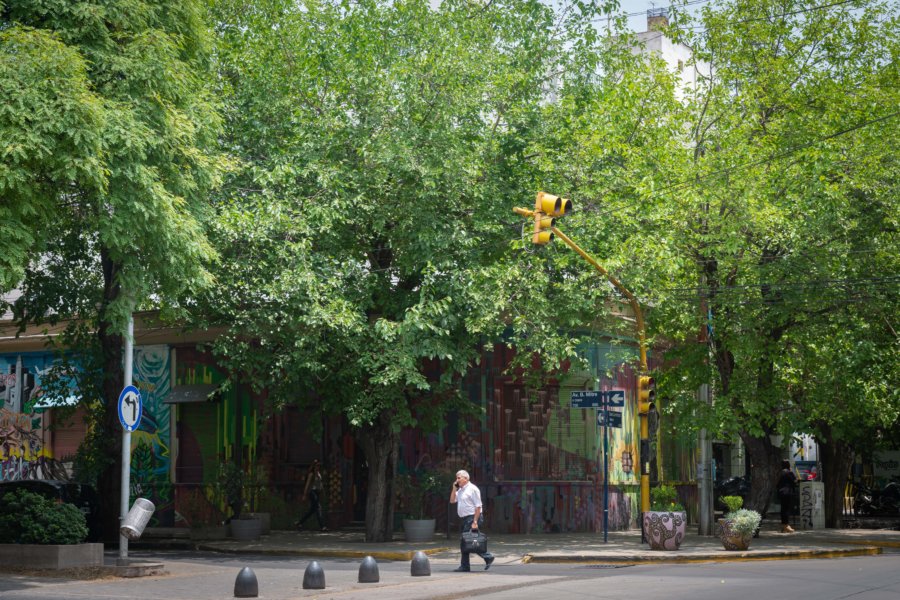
[[201, 515], [38, 533], [417, 491], [737, 527], [29, 518], [231, 481], [665, 522]]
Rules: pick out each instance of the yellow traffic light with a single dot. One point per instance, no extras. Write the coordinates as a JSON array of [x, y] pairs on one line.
[[552, 205], [646, 394], [542, 225]]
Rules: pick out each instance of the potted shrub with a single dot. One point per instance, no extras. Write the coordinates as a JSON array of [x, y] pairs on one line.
[[231, 481], [665, 522], [416, 492], [37, 532], [202, 516], [736, 529]]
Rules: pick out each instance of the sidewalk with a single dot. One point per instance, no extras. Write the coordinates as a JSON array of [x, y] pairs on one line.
[[622, 547]]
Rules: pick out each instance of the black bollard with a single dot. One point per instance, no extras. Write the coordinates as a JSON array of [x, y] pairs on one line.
[[314, 577], [420, 567], [245, 585], [368, 570]]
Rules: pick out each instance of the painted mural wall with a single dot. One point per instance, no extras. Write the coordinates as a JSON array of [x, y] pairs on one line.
[[151, 443], [538, 461], [25, 449]]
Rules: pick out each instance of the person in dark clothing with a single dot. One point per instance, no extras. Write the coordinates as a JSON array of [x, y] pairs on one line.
[[313, 490], [787, 481]]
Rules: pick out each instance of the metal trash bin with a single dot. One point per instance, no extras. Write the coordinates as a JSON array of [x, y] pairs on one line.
[[137, 518]]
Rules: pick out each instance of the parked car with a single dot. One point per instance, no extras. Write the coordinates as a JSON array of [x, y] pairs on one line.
[[733, 486], [83, 496]]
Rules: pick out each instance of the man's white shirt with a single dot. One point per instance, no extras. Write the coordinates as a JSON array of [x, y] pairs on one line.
[[468, 498]]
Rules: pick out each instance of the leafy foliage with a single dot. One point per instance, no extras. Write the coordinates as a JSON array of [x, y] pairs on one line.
[[417, 492], [380, 147], [109, 152], [29, 518], [733, 503], [744, 522], [665, 498]]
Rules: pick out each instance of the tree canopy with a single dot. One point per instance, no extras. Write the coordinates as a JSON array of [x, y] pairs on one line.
[[108, 137]]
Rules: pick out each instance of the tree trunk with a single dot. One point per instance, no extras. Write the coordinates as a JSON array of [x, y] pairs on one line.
[[111, 345], [381, 445], [765, 462], [837, 458]]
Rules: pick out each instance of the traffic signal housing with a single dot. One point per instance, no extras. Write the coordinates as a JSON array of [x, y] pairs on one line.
[[646, 394], [546, 208]]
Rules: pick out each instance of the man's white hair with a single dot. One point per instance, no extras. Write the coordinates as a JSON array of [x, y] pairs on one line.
[[463, 473]]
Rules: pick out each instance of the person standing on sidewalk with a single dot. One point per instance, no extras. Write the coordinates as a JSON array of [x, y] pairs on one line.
[[467, 498], [313, 490], [787, 481]]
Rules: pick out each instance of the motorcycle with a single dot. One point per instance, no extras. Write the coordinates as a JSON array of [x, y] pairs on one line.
[[873, 502]]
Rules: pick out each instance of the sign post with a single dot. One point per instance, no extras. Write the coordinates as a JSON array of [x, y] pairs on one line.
[[605, 418], [130, 411]]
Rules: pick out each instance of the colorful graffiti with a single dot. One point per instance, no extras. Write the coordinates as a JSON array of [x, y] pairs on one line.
[[540, 462], [24, 449], [151, 443]]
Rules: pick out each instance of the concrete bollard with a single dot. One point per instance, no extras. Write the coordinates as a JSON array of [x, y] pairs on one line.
[[245, 585], [314, 577], [368, 570], [420, 567]]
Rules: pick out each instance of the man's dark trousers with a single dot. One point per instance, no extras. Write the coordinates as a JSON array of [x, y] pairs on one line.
[[467, 526]]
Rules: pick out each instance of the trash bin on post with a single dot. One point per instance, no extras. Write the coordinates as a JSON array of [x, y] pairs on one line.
[[137, 518], [812, 505]]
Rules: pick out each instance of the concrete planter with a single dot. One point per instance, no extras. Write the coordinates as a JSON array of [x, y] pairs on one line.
[[246, 529], [265, 518], [418, 530], [50, 556], [665, 529]]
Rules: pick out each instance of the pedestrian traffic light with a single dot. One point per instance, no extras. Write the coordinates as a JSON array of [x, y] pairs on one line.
[[646, 394]]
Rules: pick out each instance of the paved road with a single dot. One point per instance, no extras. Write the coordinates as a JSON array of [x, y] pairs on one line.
[[201, 576]]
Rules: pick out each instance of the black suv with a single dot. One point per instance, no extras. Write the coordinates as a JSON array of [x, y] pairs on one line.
[[83, 496]]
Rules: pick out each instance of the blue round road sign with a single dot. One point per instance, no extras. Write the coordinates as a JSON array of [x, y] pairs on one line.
[[131, 408]]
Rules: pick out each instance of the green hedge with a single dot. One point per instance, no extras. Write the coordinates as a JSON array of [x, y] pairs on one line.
[[29, 518]]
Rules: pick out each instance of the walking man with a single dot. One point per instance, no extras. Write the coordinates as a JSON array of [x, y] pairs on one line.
[[467, 498]]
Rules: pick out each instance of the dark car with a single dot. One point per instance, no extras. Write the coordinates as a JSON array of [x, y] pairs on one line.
[[733, 486], [83, 496]]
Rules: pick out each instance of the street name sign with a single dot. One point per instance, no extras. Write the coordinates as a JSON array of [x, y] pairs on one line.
[[615, 419], [596, 399]]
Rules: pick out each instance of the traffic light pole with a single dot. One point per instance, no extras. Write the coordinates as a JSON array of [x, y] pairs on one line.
[[642, 344]]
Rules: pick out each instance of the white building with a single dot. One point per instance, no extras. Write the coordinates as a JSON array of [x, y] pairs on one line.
[[678, 57]]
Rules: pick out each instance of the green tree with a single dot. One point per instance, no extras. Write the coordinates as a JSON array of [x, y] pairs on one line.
[[108, 135], [379, 143], [786, 213]]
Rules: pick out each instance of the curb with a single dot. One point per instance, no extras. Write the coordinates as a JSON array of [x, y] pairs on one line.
[[325, 553], [702, 558]]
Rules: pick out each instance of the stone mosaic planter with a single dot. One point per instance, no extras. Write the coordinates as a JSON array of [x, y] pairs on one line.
[[665, 530]]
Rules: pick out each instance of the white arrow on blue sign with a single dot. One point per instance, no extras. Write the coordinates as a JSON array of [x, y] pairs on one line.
[[131, 408], [596, 399], [615, 419]]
